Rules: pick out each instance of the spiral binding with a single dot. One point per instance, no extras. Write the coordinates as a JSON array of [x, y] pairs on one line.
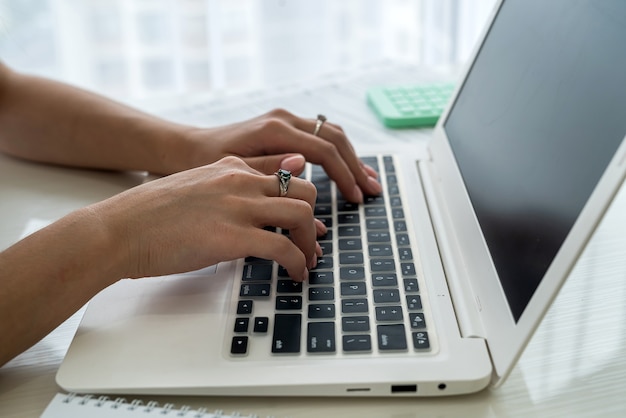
[[149, 408]]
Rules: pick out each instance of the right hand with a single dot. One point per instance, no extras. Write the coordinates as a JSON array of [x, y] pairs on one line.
[[199, 217]]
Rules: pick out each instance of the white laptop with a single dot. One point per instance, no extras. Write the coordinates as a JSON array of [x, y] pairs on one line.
[[433, 288]]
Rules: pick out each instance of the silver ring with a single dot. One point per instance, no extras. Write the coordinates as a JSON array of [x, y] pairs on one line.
[[284, 177], [318, 124]]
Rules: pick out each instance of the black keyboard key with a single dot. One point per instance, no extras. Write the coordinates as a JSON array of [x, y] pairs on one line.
[[353, 289], [350, 306], [239, 345], [375, 211], [321, 277], [282, 272], [321, 337], [391, 337], [380, 250], [395, 202], [288, 286], [244, 307], [397, 213], [324, 263], [323, 210], [378, 236], [356, 343], [351, 258], [351, 273], [323, 198], [261, 324], [255, 290], [402, 240], [287, 330], [349, 231], [350, 244], [381, 265], [386, 296], [344, 206], [410, 285], [348, 218], [288, 303], [408, 269], [355, 323], [414, 302], [321, 310], [399, 226], [257, 272], [417, 320], [405, 254], [389, 313], [327, 247], [374, 200], [421, 341], [241, 324], [321, 293], [388, 279], [376, 223]]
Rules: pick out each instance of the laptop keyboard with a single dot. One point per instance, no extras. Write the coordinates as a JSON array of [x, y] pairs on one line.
[[363, 296]]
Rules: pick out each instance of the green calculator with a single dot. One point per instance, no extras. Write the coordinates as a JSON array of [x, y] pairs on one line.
[[410, 106]]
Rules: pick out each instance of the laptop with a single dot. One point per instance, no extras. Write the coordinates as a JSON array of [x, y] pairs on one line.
[[433, 288]]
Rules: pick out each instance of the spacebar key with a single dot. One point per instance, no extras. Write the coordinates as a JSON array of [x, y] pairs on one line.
[[287, 330]]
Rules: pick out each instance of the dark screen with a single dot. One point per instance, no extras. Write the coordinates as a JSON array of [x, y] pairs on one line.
[[538, 119]]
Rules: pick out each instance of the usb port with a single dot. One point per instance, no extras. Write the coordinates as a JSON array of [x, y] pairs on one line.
[[403, 388]]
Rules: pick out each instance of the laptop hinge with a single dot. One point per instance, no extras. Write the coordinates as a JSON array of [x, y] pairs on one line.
[[465, 303]]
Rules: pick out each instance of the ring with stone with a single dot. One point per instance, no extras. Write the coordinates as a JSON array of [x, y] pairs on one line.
[[318, 124], [284, 177]]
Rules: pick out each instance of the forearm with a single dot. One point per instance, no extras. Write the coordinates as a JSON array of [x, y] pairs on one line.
[[51, 122], [49, 275]]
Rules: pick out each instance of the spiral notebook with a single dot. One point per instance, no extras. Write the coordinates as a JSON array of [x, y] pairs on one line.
[[65, 405]]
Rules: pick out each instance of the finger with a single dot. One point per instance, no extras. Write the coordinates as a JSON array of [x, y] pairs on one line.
[[297, 189], [269, 164], [346, 171], [294, 215], [272, 246], [336, 136], [320, 227]]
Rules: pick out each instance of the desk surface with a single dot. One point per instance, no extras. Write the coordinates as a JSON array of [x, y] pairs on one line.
[[575, 364]]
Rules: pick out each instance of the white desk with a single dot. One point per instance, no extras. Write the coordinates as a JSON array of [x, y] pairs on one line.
[[574, 366]]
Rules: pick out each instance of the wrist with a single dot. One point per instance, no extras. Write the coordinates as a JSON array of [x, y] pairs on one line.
[[176, 150]]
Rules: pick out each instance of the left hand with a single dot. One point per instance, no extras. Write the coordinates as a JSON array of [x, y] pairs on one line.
[[279, 139]]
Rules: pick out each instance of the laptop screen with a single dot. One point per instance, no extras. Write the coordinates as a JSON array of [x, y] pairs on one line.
[[539, 117]]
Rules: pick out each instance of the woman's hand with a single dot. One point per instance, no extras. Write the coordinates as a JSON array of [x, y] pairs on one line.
[[209, 214], [279, 139]]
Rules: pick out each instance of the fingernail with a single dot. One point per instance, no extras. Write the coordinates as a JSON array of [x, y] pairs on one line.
[[293, 163], [320, 227], [374, 185], [357, 194], [318, 249], [305, 274], [370, 171]]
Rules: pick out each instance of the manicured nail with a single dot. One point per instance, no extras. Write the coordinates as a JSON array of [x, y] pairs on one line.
[[294, 163]]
